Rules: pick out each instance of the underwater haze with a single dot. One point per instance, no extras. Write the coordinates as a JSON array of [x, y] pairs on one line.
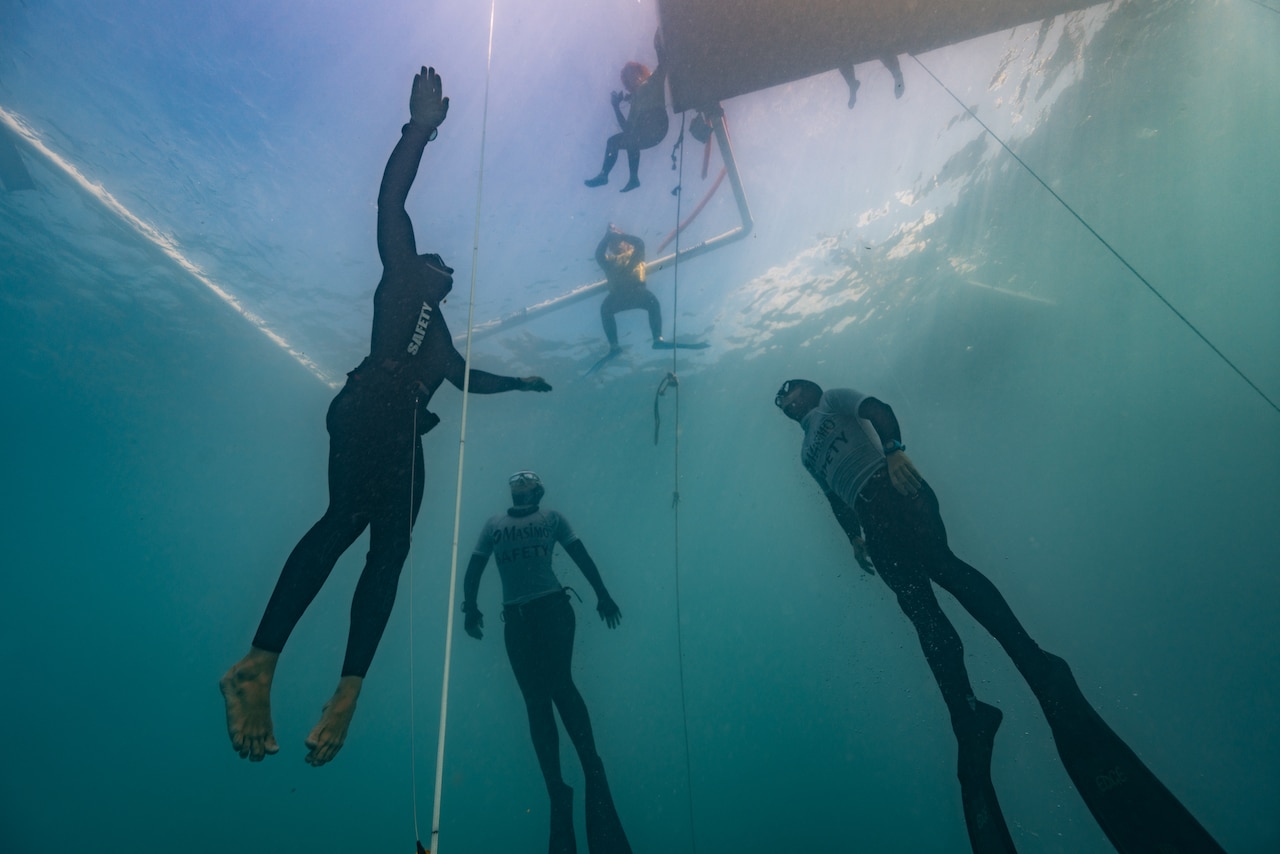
[[1055, 256]]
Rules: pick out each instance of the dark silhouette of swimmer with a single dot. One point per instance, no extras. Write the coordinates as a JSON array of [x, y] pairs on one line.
[[644, 126], [853, 448], [890, 62], [538, 628], [375, 458], [621, 257]]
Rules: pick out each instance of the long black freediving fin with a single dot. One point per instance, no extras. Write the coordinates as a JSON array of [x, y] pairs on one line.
[[604, 829], [604, 360], [1134, 809], [988, 832]]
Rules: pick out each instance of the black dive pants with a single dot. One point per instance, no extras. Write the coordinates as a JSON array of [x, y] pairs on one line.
[[642, 131], [375, 481], [624, 300], [908, 544], [539, 640]]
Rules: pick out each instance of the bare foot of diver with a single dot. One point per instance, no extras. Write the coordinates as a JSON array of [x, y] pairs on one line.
[[329, 735], [246, 688]]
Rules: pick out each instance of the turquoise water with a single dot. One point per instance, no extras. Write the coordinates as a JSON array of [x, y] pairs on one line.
[[1110, 472]]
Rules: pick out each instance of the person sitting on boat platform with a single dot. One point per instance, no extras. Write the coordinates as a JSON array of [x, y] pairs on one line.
[[645, 124]]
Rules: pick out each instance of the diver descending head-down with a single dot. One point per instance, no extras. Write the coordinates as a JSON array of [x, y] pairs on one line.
[[853, 448], [375, 427], [538, 631]]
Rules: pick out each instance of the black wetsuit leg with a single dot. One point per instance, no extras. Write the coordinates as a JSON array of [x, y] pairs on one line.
[[895, 540], [539, 641], [370, 471], [642, 131], [976, 594], [390, 536], [901, 537], [633, 164], [304, 573], [625, 300], [608, 309], [652, 306], [611, 148]]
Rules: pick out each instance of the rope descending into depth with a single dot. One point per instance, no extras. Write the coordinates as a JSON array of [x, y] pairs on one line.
[[1186, 322], [672, 381]]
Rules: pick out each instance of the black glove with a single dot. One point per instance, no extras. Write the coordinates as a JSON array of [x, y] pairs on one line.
[[534, 384], [474, 621], [426, 420]]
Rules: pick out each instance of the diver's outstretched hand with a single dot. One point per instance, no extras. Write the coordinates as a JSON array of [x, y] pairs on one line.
[[534, 384], [427, 107], [903, 474], [609, 611]]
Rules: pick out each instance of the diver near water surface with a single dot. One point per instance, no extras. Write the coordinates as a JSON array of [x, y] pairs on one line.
[[645, 124], [853, 448], [538, 631], [621, 257], [375, 426]]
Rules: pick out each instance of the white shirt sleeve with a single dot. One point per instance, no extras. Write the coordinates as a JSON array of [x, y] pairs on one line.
[[564, 532], [842, 401], [484, 545]]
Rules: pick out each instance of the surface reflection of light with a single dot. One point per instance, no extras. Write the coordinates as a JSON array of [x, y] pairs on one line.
[[152, 235]]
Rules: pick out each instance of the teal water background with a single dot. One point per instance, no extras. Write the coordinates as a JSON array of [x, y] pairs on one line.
[[1108, 471]]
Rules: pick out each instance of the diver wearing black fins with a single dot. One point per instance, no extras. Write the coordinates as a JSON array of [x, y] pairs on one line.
[[621, 257], [853, 448], [538, 631]]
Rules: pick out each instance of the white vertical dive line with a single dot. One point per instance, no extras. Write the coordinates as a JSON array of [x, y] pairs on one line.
[[154, 236], [462, 447], [675, 503]]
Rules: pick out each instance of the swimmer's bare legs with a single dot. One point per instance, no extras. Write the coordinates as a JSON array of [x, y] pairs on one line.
[[246, 688], [329, 735]]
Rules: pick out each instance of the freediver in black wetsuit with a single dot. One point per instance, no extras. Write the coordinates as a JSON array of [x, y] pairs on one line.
[[853, 448], [621, 257], [375, 457], [539, 628], [644, 126]]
